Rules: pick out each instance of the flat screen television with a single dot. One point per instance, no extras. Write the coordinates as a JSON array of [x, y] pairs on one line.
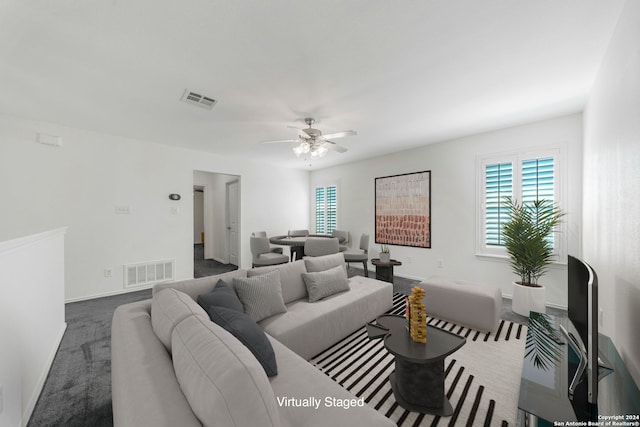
[[583, 313]]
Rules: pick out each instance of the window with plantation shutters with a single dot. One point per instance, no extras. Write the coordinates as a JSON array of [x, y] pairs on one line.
[[326, 209], [321, 200], [498, 185], [523, 176], [537, 179]]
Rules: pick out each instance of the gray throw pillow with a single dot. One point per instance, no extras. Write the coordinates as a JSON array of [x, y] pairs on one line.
[[261, 296], [248, 333], [325, 283], [325, 262], [222, 295]]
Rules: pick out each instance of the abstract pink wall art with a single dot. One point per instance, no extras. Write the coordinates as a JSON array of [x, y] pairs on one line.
[[403, 209]]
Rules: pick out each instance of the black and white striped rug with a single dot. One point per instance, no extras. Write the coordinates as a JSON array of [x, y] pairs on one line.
[[482, 378]]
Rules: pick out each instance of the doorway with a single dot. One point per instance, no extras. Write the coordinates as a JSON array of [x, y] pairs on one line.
[[216, 223]]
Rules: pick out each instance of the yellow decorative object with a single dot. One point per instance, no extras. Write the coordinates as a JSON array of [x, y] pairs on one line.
[[417, 315]]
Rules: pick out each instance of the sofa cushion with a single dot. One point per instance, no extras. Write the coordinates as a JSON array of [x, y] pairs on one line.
[[222, 295], [195, 287], [144, 387], [326, 283], [170, 307], [302, 380], [293, 287], [325, 262], [220, 377], [248, 333], [338, 316], [476, 305], [261, 296]]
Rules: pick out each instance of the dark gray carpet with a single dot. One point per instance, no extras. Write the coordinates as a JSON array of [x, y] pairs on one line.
[[77, 391], [208, 267]]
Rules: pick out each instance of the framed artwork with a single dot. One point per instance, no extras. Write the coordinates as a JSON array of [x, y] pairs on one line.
[[403, 209]]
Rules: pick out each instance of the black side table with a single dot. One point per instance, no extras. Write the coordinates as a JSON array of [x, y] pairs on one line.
[[418, 380], [384, 270]]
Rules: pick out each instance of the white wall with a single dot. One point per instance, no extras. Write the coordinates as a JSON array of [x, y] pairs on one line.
[[453, 200], [79, 185], [612, 186], [31, 319]]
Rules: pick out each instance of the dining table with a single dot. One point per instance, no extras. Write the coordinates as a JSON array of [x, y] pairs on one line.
[[295, 243]]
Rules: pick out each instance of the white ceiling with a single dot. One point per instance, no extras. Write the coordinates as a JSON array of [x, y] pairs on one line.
[[401, 73]]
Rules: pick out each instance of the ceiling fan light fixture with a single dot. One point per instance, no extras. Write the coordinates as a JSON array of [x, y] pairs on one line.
[[301, 149], [311, 142], [318, 151]]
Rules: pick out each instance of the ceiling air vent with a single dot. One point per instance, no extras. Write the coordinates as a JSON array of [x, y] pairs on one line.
[[197, 99]]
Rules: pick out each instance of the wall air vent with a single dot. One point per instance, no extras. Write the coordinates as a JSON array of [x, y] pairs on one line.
[[197, 99], [146, 273]]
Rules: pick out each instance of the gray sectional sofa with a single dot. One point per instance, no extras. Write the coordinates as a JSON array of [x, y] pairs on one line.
[[173, 366]]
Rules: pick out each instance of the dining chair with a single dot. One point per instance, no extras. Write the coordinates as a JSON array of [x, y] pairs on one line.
[[319, 246], [275, 249], [262, 255], [359, 255], [343, 239]]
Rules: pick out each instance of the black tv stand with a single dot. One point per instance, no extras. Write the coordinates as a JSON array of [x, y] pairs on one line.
[[545, 389]]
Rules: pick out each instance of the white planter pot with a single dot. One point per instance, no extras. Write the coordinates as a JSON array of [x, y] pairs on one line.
[[385, 257], [527, 298]]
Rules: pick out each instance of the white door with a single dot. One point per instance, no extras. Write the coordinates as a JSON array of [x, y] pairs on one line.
[[233, 221]]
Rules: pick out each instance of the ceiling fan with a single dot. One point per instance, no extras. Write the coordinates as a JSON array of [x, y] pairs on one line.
[[312, 141]]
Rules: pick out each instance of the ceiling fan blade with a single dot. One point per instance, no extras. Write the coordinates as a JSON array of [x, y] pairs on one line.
[[280, 141], [340, 134], [330, 145], [303, 134]]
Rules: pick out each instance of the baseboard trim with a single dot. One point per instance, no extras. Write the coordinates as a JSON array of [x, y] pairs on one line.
[[111, 293], [549, 304], [31, 404]]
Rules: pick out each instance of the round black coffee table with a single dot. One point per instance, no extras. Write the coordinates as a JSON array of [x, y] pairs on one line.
[[418, 381]]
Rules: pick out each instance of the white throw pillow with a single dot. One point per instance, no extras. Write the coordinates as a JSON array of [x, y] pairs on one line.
[[325, 283], [261, 296]]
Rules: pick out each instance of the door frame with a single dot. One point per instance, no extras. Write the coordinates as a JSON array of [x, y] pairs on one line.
[[228, 222]]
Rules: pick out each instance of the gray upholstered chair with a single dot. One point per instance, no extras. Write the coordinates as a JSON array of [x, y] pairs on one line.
[[274, 249], [318, 246], [262, 254], [296, 251], [343, 239], [359, 255]]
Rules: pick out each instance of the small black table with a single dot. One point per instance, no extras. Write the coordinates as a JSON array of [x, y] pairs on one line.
[[384, 270], [418, 381]]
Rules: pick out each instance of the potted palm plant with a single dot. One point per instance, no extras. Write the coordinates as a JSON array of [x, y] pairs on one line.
[[528, 240]]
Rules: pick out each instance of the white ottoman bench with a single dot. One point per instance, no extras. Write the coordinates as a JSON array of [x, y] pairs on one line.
[[462, 302]]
